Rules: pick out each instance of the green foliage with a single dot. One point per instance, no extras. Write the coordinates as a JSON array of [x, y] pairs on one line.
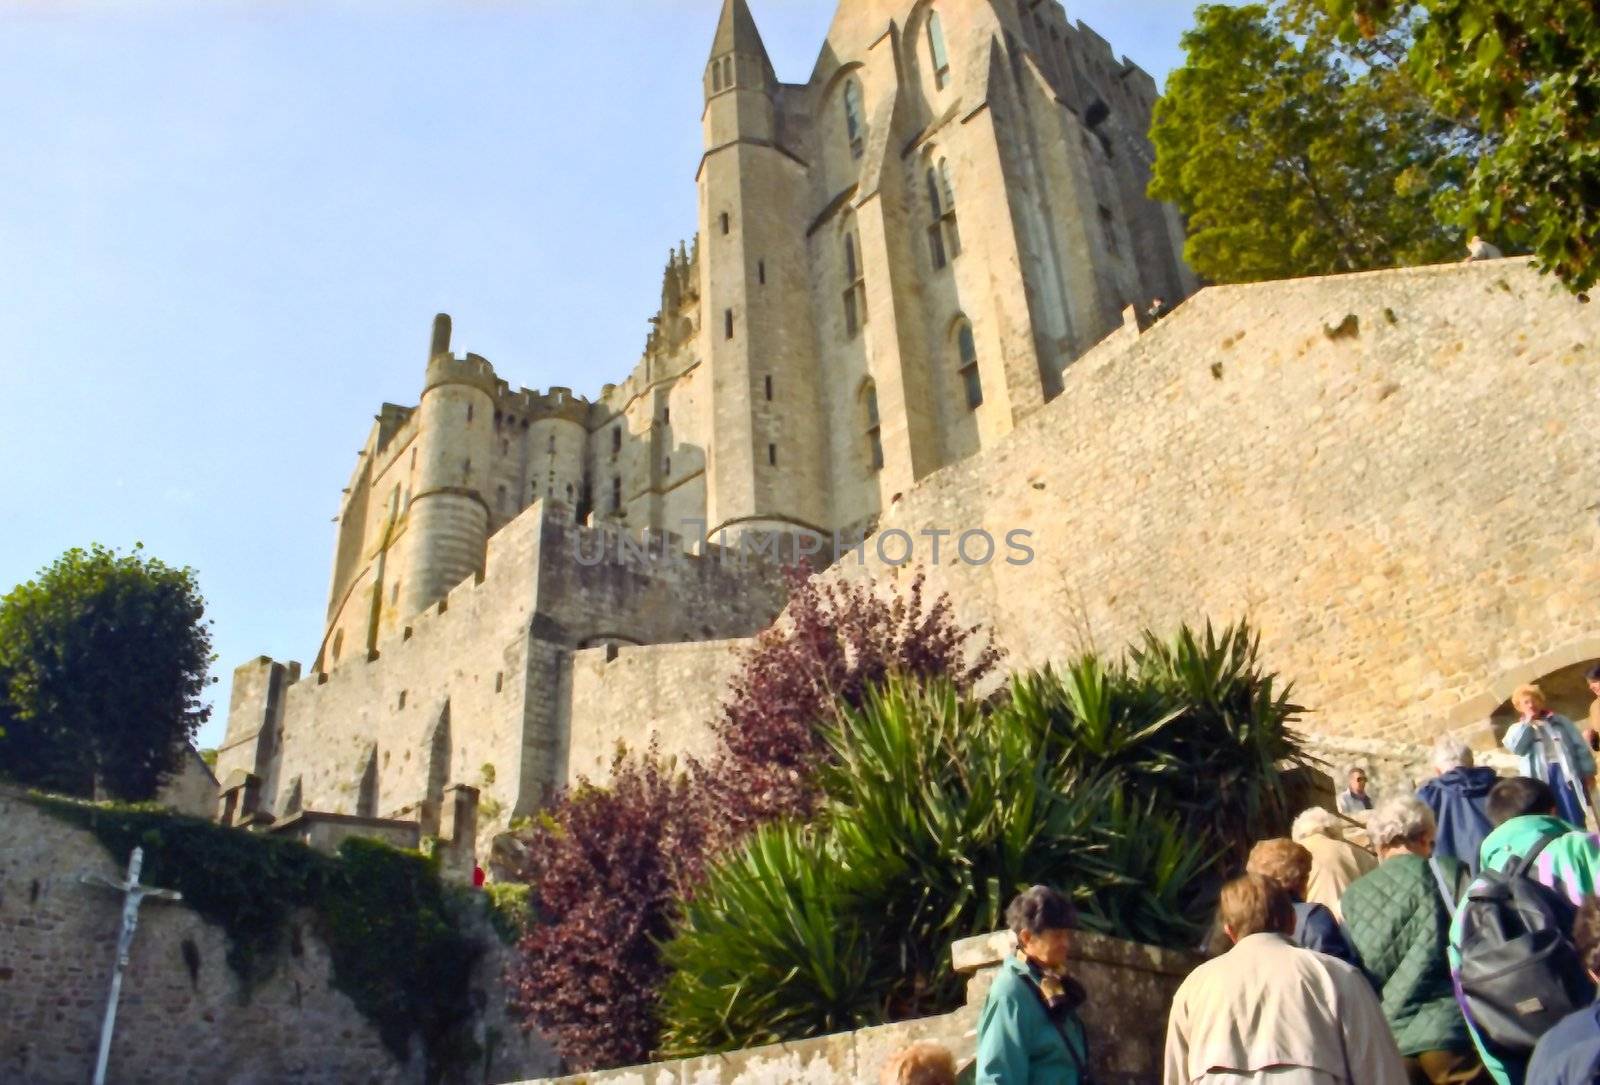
[[209, 756], [393, 928], [1526, 75], [1126, 785], [103, 661], [1293, 153], [510, 908]]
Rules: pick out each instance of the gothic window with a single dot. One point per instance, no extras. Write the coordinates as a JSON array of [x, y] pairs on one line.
[[716, 76], [616, 494], [873, 428], [768, 384], [967, 357], [941, 61], [944, 240], [855, 290], [852, 117], [727, 323], [616, 440], [761, 272], [772, 455], [727, 71]]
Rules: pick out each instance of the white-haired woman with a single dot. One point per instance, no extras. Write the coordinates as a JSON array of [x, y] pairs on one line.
[[1335, 862], [1459, 798], [1398, 917]]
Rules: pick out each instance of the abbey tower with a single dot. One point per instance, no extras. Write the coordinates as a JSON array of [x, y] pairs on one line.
[[894, 263]]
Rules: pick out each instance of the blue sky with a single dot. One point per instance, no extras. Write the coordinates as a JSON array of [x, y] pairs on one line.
[[225, 228]]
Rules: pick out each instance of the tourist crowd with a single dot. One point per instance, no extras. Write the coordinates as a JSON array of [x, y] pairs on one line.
[[1463, 946]]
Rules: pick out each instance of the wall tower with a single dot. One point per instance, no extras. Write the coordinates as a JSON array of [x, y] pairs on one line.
[[767, 448]]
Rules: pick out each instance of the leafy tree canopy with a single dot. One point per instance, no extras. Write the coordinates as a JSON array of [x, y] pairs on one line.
[[103, 660], [1293, 152], [1525, 73]]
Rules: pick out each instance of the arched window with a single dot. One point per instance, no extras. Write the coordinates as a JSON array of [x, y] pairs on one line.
[[873, 429], [944, 240], [936, 53], [967, 357], [852, 117], [716, 76], [855, 289]]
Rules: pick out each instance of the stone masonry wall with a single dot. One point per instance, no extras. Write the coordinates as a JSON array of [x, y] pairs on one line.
[[1408, 514], [182, 1016], [1129, 989], [1392, 475], [474, 690], [669, 692]]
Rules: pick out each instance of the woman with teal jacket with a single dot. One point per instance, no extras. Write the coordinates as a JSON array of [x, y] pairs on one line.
[[1029, 1032]]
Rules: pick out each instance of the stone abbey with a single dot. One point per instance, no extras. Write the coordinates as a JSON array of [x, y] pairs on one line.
[[895, 262]]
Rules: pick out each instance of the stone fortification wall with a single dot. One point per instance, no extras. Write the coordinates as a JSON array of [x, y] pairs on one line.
[[667, 692], [183, 1015], [1391, 474], [1405, 510], [474, 690]]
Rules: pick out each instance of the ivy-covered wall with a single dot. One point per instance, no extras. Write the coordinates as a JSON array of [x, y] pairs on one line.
[[281, 965]]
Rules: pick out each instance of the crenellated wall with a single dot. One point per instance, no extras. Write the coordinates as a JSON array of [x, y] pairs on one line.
[[477, 689]]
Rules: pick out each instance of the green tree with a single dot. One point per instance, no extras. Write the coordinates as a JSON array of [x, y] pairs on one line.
[[1525, 73], [1292, 153], [103, 660]]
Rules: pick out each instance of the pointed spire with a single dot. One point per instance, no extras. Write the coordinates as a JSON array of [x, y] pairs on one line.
[[736, 31]]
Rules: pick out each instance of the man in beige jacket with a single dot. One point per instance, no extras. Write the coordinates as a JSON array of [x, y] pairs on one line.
[[1270, 1012], [1335, 862]]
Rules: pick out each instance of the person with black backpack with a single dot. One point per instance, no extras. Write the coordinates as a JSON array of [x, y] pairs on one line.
[[1569, 1054], [1515, 966]]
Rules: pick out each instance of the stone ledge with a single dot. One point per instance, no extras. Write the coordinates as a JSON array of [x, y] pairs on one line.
[[987, 950]]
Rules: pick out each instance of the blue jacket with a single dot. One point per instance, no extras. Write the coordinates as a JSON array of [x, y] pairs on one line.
[[1459, 801], [1315, 928], [1568, 1054]]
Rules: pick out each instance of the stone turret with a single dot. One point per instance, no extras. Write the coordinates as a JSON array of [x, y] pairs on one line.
[[447, 523]]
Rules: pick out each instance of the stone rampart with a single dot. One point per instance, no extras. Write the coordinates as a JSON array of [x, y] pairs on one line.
[[474, 689], [183, 1015], [1391, 474]]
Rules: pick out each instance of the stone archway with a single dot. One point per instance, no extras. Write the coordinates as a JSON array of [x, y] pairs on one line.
[[1483, 719]]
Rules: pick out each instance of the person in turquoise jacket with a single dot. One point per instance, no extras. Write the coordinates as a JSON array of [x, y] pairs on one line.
[[1523, 811], [1028, 1031]]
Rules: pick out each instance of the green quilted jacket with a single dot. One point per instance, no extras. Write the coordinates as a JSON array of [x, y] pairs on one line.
[[1399, 927]]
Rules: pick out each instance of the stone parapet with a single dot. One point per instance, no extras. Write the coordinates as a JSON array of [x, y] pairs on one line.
[[1129, 986]]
